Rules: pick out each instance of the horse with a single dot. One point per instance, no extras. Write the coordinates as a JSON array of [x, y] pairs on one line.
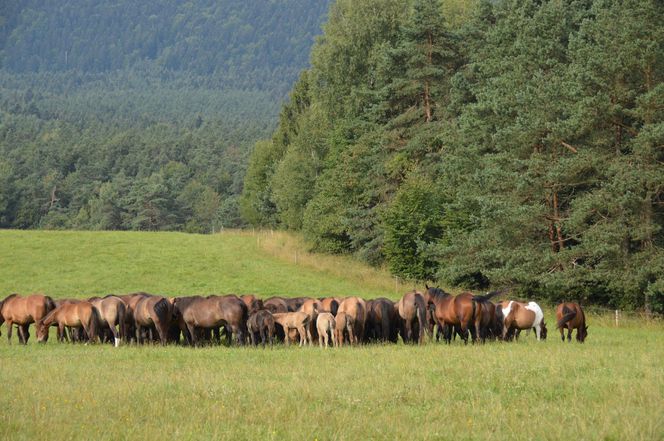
[[412, 310], [325, 325], [112, 311], [21, 311], [294, 303], [275, 305], [261, 324], [570, 315], [212, 312], [253, 303], [311, 307], [153, 312], [131, 300], [71, 315], [355, 307], [518, 316], [344, 325], [329, 304], [463, 312], [294, 320]]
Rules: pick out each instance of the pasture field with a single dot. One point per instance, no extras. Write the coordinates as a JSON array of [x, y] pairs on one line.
[[610, 388]]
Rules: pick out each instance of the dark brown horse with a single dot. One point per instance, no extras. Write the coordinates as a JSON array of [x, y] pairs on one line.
[[21, 311], [70, 315], [570, 315], [412, 310], [275, 305], [211, 313], [260, 325], [463, 312], [153, 312], [382, 320]]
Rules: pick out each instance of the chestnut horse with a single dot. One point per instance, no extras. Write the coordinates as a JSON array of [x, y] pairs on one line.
[[463, 312], [570, 315], [71, 315], [518, 316], [21, 311], [212, 312]]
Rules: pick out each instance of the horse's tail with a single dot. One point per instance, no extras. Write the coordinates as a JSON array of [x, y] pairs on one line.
[[122, 325], [385, 323], [50, 304], [422, 321], [94, 324], [488, 295], [161, 310], [568, 315]]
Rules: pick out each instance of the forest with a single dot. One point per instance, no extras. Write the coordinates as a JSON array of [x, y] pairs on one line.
[[140, 115], [509, 144]]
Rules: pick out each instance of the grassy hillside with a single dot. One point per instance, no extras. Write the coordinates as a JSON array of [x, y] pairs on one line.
[[610, 388], [80, 264]]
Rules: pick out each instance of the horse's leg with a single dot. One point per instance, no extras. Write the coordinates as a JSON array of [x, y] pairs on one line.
[[192, 332], [10, 325], [320, 339], [562, 333], [409, 331], [538, 332], [24, 333], [116, 335], [569, 334], [310, 340]]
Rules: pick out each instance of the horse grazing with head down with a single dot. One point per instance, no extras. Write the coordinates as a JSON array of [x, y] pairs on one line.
[[153, 312], [260, 324], [21, 311], [570, 315], [112, 313], [71, 315], [517, 316], [412, 310], [463, 312]]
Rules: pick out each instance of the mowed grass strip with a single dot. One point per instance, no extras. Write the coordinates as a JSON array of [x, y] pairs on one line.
[[612, 387], [82, 264]]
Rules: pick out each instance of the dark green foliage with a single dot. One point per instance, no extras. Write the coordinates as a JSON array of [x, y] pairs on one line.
[[520, 146]]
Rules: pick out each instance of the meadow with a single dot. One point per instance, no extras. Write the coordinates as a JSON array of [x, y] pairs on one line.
[[611, 387]]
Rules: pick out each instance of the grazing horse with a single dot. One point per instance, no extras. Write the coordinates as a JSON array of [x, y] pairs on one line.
[[211, 313], [21, 311], [329, 304], [382, 321], [356, 308], [325, 325], [295, 320], [412, 310], [294, 303], [261, 324], [253, 303], [275, 305], [311, 307], [462, 312], [518, 316], [153, 312], [112, 312], [344, 326], [71, 315], [570, 315], [131, 300]]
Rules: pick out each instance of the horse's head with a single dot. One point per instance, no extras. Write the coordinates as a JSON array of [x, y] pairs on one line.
[[582, 333], [42, 332], [543, 331]]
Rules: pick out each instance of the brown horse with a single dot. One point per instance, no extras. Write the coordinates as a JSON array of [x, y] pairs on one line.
[[382, 320], [112, 312], [21, 311], [212, 312], [329, 304], [131, 300], [518, 316], [260, 324], [71, 315], [311, 307], [462, 311], [253, 303], [356, 308], [275, 305], [570, 315], [153, 312], [412, 310]]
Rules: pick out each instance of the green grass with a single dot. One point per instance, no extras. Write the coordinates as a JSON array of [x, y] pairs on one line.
[[610, 388]]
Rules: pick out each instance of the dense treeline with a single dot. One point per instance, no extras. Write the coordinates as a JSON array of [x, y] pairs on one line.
[[140, 115], [513, 143]]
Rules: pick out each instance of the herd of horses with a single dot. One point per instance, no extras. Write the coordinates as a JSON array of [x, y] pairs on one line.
[[196, 320]]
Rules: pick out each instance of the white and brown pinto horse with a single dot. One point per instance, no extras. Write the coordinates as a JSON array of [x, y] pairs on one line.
[[518, 316]]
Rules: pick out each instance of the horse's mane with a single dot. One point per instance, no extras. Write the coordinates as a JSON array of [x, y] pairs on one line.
[[8, 297], [436, 292]]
